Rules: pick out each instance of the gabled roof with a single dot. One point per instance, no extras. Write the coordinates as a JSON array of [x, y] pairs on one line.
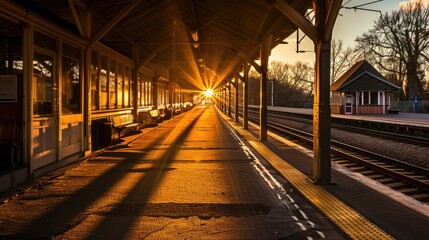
[[362, 76]]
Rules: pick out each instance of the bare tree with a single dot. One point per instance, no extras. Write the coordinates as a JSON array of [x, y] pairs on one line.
[[342, 59], [399, 44], [292, 84]]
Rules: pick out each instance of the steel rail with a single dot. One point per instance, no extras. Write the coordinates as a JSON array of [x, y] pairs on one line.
[[416, 176]]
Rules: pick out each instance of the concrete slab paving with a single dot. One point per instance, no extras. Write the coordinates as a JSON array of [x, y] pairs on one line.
[[190, 178]]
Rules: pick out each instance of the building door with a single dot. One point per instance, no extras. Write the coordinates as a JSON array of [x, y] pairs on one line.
[[348, 108], [71, 140], [45, 110]]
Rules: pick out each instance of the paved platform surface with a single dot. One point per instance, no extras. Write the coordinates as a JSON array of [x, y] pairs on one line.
[[397, 215], [189, 178], [194, 177]]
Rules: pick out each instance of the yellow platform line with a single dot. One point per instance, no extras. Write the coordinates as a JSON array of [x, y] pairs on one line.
[[350, 221]]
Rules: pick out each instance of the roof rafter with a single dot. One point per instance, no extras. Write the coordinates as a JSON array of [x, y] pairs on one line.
[[118, 17], [299, 20]]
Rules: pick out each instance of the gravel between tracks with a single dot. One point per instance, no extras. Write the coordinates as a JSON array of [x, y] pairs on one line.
[[401, 151]]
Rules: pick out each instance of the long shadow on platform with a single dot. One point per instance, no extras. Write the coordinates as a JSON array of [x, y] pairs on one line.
[[60, 218], [142, 191]]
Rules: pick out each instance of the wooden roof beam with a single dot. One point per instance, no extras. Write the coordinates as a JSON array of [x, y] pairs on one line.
[[334, 8], [151, 56], [117, 18], [300, 21], [76, 17], [250, 61]]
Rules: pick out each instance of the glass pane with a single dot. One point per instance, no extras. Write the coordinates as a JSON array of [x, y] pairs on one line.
[[103, 81], [139, 89], [120, 84], [71, 86], [374, 98], [112, 84], [132, 82], [94, 80], [127, 87], [43, 84], [365, 98]]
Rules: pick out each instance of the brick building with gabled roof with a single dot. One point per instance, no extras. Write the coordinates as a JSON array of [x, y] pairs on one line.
[[361, 90]]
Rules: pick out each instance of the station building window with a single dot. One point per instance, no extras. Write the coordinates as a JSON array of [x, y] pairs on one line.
[[139, 89], [10, 48], [43, 83], [132, 82], [120, 84], [94, 81], [112, 84], [43, 74], [146, 91], [149, 93], [71, 80], [374, 98], [103, 81], [370, 98], [127, 87]]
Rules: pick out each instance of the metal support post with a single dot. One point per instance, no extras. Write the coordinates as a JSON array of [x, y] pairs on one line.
[[236, 99], [229, 99], [263, 119], [246, 96], [321, 108]]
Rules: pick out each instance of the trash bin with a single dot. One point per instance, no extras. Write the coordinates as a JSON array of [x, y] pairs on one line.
[[105, 133]]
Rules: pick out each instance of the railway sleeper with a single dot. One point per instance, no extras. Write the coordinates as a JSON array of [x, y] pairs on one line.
[[409, 191], [420, 177], [421, 196], [343, 161], [349, 164], [369, 173], [358, 168], [396, 185], [377, 176], [386, 180]]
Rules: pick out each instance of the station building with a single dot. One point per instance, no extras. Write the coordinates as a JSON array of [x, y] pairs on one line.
[[361, 90], [59, 95]]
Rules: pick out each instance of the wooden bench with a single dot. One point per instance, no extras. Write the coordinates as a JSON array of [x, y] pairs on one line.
[[154, 114], [121, 122], [393, 110]]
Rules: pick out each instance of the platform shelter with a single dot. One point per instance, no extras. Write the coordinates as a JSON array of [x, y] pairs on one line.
[[361, 90]]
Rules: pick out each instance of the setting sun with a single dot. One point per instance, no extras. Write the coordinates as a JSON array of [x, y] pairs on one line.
[[208, 93]]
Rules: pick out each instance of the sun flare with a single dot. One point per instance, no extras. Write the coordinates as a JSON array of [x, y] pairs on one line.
[[208, 93]]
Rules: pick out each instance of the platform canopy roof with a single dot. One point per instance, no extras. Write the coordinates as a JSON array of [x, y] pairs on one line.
[[200, 41]]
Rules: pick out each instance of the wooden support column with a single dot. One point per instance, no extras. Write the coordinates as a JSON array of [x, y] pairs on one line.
[[246, 96], [135, 86], [87, 88], [321, 107], [27, 57], [155, 90], [229, 98], [236, 99], [263, 119], [222, 98]]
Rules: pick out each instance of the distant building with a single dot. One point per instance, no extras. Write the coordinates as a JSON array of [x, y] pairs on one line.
[[361, 90]]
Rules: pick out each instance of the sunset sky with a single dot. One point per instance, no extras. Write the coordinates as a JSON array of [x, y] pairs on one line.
[[349, 25]]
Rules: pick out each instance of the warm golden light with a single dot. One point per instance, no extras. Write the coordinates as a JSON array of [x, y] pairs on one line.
[[208, 93]]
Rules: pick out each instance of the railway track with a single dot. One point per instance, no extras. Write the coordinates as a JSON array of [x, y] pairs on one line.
[[406, 178], [399, 137]]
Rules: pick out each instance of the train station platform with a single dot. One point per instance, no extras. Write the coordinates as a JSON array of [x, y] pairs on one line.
[[200, 176], [399, 118]]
